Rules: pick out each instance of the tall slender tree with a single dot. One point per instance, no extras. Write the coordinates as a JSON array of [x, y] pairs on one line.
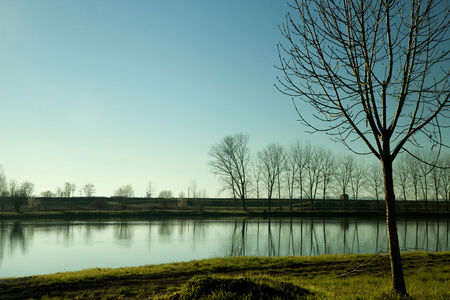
[[370, 71], [230, 160], [272, 161], [291, 172]]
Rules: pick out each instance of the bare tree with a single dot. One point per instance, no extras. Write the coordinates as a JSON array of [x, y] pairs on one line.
[[300, 159], [375, 180], [26, 189], [123, 193], [358, 180], [89, 190], [414, 176], [13, 187], [328, 171], [3, 188], [69, 189], [59, 192], [445, 180], [314, 167], [344, 175], [424, 176], [230, 160], [20, 193], [165, 194], [150, 190], [373, 71], [48, 194], [291, 171], [256, 166], [272, 163], [436, 180], [194, 190], [281, 168], [402, 176]]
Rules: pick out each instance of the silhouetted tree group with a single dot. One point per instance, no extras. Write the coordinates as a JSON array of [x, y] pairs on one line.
[[304, 171], [16, 193]]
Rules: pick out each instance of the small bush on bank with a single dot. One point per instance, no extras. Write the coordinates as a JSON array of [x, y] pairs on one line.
[[34, 204], [206, 287]]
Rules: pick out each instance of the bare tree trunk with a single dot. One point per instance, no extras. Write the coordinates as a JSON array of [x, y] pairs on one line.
[[398, 281]]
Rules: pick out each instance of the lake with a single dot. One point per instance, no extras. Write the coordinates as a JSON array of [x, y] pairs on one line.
[[44, 247]]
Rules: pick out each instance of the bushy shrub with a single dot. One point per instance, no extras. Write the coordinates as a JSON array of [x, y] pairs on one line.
[[206, 287], [34, 204]]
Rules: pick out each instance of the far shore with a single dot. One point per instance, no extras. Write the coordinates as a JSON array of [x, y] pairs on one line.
[[203, 214], [145, 208]]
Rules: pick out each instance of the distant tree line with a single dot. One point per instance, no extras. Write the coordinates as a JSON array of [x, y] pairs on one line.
[[304, 171], [18, 194], [15, 192]]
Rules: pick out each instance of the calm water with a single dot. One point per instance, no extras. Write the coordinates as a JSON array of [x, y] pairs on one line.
[[37, 247]]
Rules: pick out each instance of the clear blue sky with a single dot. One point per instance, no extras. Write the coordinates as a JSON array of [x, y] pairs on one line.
[[127, 92]]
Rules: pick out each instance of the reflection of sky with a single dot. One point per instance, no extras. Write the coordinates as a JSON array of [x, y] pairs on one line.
[[38, 248]]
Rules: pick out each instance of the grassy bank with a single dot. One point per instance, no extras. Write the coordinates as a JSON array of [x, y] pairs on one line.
[[323, 277]]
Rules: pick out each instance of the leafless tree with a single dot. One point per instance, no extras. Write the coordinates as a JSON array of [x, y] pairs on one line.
[[193, 189], [166, 194], [358, 180], [445, 180], [3, 188], [402, 176], [372, 71], [314, 167], [26, 189], [33, 203], [150, 190], [414, 176], [230, 160], [13, 187], [375, 180], [257, 176], [20, 193], [424, 168], [291, 171], [344, 175], [328, 171], [436, 180], [256, 166], [69, 189], [281, 169], [123, 193], [272, 160], [48, 194], [300, 159], [89, 190]]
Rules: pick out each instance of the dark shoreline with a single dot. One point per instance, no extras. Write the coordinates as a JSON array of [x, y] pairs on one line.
[[206, 214]]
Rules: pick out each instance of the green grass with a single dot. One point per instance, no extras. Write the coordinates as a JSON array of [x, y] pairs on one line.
[[324, 277]]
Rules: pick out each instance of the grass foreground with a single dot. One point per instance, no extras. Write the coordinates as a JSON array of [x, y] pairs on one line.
[[323, 277]]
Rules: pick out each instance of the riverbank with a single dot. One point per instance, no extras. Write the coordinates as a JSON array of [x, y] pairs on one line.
[[322, 277], [201, 214]]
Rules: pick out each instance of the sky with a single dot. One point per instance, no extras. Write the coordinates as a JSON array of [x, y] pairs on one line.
[[130, 92]]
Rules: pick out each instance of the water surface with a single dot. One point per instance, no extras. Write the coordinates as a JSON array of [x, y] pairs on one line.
[[43, 247]]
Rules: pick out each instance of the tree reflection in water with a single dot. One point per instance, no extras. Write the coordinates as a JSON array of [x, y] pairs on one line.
[[181, 240], [17, 238], [123, 233], [321, 236]]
